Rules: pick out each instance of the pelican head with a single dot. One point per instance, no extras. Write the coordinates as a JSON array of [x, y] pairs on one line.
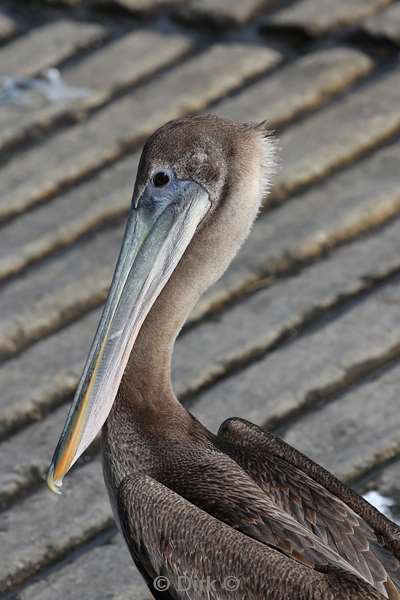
[[199, 186]]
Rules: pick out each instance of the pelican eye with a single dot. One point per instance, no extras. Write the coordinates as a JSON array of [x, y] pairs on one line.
[[160, 179]]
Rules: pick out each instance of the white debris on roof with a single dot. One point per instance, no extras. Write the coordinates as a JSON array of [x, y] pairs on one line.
[[26, 91], [383, 503]]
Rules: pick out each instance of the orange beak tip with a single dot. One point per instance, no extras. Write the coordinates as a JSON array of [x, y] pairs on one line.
[[54, 485]]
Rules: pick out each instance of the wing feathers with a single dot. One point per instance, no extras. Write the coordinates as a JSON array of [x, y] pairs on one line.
[[183, 543], [335, 514]]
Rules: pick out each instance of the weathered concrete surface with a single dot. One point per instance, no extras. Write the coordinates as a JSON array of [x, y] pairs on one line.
[[8, 26], [329, 434], [340, 134], [303, 85], [44, 375], [101, 74], [105, 572], [30, 306], [44, 313], [38, 233], [26, 455], [280, 310], [312, 366], [126, 60], [52, 524], [320, 16], [145, 5], [224, 12], [47, 46], [386, 24], [83, 148]]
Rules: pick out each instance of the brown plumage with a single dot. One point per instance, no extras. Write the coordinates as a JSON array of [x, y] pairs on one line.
[[242, 514]]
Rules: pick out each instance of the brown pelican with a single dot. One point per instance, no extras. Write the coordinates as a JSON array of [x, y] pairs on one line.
[[236, 515]]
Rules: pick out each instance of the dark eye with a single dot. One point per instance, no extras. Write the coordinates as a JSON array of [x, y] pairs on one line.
[[160, 179]]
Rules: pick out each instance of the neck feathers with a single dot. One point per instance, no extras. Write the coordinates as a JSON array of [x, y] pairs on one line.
[[212, 249]]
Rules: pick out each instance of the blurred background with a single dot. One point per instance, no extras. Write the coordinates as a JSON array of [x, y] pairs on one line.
[[301, 335]]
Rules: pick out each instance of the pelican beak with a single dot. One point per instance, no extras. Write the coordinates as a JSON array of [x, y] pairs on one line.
[[160, 226]]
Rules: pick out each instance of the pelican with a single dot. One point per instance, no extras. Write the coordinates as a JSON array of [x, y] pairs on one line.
[[240, 514]]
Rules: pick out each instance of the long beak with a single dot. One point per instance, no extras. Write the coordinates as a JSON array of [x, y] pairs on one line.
[[159, 229]]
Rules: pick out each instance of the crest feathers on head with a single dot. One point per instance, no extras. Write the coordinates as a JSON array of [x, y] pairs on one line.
[[270, 147]]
